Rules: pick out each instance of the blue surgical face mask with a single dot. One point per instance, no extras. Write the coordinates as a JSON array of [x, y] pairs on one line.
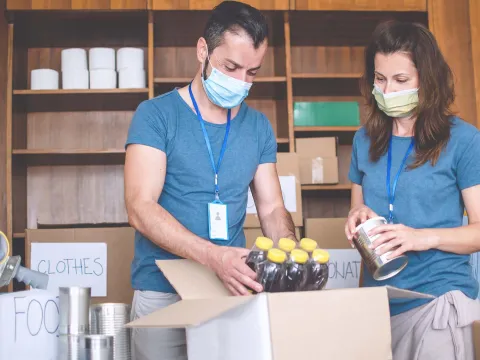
[[223, 90]]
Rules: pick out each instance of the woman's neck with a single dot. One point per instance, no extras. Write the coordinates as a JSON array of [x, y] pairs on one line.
[[404, 127]]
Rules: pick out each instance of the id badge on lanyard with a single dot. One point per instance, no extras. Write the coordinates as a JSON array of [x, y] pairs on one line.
[[391, 193], [217, 211]]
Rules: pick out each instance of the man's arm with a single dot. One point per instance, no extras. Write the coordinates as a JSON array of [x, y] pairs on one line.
[[145, 169], [275, 220]]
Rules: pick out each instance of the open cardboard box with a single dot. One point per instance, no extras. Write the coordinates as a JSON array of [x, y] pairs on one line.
[[344, 324]]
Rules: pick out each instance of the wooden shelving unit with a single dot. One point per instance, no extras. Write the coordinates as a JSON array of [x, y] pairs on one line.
[[66, 147]]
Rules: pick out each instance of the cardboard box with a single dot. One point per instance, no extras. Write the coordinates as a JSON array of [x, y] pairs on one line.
[[476, 339], [330, 324], [253, 233], [318, 160], [120, 251], [345, 264], [289, 174]]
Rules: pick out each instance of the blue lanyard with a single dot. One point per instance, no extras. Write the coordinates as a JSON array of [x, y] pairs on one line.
[[391, 194], [207, 141]]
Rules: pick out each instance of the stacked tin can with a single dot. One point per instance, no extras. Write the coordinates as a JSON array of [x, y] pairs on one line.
[[110, 319], [75, 341]]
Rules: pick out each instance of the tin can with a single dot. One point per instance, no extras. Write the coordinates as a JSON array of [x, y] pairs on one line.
[[74, 305], [379, 266]]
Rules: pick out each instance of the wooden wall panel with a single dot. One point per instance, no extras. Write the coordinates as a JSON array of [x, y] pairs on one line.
[[76, 4], [475, 34], [71, 195], [362, 5], [209, 4], [448, 20], [3, 116]]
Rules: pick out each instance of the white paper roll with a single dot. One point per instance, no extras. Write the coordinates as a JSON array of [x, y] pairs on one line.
[[103, 79], [44, 79], [131, 78], [74, 59], [130, 58], [75, 79], [101, 58]]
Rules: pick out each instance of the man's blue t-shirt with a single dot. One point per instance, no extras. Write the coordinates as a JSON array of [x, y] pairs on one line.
[[425, 197], [167, 123]]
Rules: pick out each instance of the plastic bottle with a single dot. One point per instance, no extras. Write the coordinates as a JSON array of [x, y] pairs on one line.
[[287, 245], [272, 272], [296, 272], [318, 270], [258, 255], [309, 245]]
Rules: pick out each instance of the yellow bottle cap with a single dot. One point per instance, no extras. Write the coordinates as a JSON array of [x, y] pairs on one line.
[[263, 243], [308, 244], [277, 256], [299, 256], [286, 244], [321, 256]]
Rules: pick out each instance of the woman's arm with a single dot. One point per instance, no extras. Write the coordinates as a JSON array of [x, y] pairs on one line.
[[460, 240]]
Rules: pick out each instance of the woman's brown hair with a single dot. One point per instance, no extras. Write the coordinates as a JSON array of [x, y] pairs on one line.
[[436, 90]]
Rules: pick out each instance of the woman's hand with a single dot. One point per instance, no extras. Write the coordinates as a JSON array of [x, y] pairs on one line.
[[357, 215], [401, 236]]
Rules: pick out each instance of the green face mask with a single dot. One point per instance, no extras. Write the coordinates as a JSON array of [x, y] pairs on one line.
[[396, 104]]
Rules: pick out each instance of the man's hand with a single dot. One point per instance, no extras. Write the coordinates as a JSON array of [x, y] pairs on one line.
[[229, 265]]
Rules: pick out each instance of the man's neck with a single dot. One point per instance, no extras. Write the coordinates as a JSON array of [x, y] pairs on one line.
[[210, 112]]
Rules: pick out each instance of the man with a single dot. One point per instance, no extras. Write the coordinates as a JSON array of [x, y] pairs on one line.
[[192, 153]]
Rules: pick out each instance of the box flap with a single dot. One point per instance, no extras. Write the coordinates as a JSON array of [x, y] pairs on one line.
[[192, 280], [189, 312], [396, 293]]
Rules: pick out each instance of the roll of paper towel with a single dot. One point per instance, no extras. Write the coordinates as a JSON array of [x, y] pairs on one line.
[[101, 58], [103, 79], [74, 59], [131, 78], [130, 58], [44, 79], [75, 79]]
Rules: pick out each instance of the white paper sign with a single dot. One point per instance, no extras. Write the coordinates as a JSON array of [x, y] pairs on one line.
[[72, 264], [343, 269], [29, 325], [289, 193]]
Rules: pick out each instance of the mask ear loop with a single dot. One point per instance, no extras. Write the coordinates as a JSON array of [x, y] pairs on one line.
[[205, 64]]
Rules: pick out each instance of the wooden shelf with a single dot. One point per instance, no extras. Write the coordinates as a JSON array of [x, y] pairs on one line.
[[326, 128], [45, 157], [327, 76], [19, 235], [80, 91], [282, 141], [336, 187], [178, 80]]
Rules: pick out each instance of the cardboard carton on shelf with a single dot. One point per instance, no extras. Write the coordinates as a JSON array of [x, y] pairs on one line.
[[289, 176], [331, 324], [318, 160]]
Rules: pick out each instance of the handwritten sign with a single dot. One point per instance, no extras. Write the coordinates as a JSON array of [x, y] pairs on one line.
[[289, 193], [29, 325], [343, 269], [72, 264]]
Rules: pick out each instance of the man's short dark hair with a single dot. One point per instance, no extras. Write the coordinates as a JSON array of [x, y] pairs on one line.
[[235, 16]]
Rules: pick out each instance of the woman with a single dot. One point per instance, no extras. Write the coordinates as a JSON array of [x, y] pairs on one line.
[[434, 173]]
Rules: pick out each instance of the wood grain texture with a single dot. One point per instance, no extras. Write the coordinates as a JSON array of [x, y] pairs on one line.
[[475, 34], [151, 54], [4, 79], [362, 5], [288, 72], [72, 195], [9, 133], [210, 4], [77, 4], [448, 22]]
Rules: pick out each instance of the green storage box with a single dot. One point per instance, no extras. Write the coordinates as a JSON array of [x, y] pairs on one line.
[[326, 113]]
